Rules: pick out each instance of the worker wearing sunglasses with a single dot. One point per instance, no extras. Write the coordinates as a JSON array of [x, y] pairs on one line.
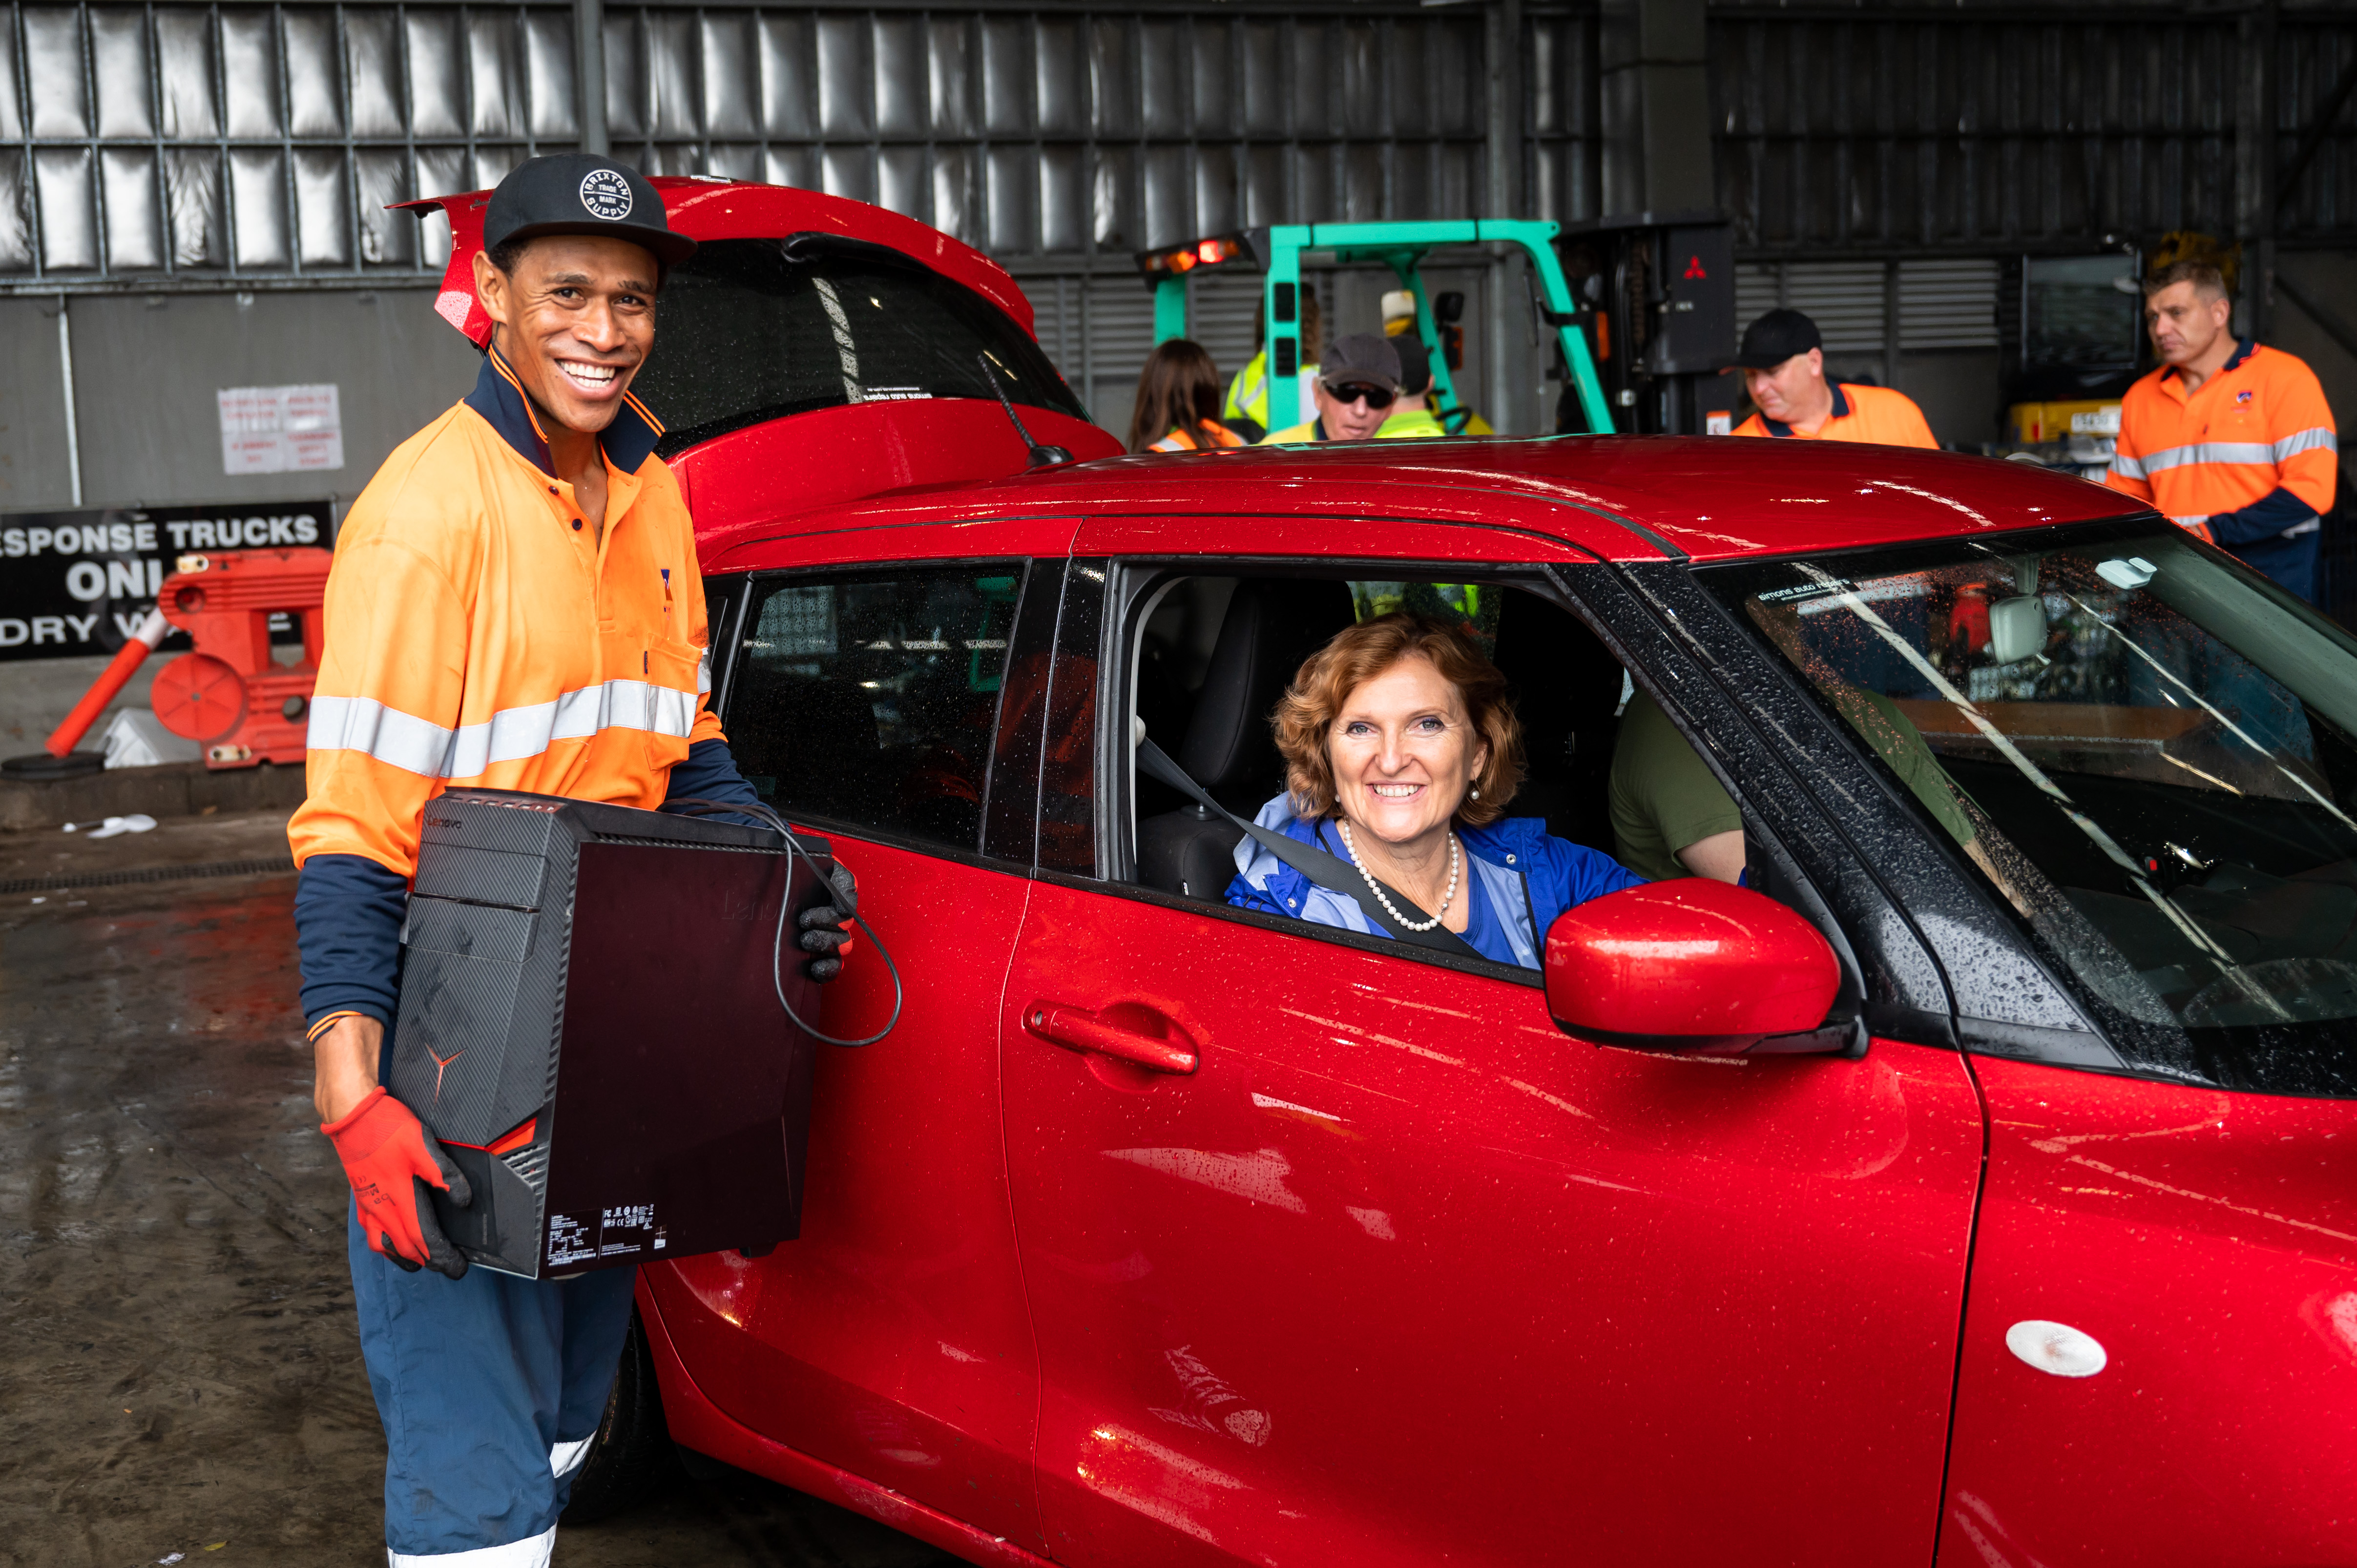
[[1357, 385]]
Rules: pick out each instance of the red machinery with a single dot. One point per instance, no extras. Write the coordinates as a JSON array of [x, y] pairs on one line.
[[228, 692]]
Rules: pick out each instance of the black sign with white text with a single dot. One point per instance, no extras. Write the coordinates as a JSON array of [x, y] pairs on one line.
[[78, 582]]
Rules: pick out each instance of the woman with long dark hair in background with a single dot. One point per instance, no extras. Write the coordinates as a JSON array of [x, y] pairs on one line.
[[1178, 402]]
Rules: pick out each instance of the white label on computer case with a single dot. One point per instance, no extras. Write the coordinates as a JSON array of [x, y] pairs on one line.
[[568, 1241], [627, 1230]]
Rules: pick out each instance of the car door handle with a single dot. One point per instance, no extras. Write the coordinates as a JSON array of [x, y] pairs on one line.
[[1077, 1029]]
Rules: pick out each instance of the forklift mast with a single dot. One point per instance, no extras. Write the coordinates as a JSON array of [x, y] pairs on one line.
[[1658, 292], [1277, 250]]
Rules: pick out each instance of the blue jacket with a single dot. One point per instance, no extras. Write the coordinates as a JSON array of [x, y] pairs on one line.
[[1510, 857]]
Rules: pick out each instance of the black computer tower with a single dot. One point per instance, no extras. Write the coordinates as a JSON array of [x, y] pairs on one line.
[[589, 1025]]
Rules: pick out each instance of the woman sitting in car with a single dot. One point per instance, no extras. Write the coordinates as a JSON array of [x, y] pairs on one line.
[[1401, 754]]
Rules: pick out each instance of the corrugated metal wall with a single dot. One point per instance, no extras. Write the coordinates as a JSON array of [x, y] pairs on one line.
[[1063, 134], [1985, 129], [207, 146], [152, 148], [215, 143], [218, 144]]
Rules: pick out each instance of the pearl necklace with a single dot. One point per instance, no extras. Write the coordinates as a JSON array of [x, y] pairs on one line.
[[1377, 889]]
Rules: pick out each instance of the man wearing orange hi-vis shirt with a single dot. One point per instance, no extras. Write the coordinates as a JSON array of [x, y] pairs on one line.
[[516, 603], [2231, 440]]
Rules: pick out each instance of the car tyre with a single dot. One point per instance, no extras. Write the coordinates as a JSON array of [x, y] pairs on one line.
[[631, 1458]]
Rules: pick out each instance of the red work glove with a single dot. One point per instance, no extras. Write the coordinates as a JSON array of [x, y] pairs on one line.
[[389, 1158]]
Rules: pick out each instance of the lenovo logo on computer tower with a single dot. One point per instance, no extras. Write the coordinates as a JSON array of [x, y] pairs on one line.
[[590, 1024]]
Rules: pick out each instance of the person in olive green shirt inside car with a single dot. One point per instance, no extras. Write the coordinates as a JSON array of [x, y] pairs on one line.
[[1671, 817]]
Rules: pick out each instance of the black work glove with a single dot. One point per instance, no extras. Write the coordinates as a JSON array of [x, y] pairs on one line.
[[826, 927]]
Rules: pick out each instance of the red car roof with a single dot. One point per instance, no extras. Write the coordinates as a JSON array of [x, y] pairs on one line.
[[1621, 497]]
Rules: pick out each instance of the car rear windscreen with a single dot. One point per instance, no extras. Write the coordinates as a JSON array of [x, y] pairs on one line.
[[757, 329]]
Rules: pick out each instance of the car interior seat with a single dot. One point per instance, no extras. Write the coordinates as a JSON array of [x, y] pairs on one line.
[[1566, 686], [1271, 626]]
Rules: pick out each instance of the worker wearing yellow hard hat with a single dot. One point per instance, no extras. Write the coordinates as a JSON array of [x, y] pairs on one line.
[[1414, 413]]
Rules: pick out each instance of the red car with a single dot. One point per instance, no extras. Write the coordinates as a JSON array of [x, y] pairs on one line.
[[1163, 1232]]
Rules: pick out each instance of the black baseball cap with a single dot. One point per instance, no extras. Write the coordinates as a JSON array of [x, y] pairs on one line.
[[582, 193], [1776, 338], [1416, 365], [1365, 356]]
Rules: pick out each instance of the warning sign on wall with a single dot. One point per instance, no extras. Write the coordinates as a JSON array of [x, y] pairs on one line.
[[80, 581], [275, 430]]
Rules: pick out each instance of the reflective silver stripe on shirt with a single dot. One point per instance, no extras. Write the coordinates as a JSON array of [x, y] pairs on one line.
[[2227, 452], [2309, 440], [703, 676], [364, 723], [2127, 467], [511, 734]]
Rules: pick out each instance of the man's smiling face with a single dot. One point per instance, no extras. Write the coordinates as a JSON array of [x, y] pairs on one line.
[[576, 319]]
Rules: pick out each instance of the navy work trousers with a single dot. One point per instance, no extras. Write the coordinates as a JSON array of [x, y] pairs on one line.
[[489, 1388]]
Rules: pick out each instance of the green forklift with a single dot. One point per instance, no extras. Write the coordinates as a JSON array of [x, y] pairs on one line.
[[1276, 250]]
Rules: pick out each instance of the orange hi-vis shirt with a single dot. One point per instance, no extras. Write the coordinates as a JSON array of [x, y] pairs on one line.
[[477, 633], [2259, 426], [1877, 414]]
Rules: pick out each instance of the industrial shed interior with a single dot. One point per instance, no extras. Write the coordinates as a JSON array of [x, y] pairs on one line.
[[223, 303], [1949, 190]]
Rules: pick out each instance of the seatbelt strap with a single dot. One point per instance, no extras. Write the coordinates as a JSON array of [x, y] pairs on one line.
[[1331, 872]]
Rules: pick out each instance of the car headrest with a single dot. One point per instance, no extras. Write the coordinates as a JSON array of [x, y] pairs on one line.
[[1562, 678], [1271, 627]]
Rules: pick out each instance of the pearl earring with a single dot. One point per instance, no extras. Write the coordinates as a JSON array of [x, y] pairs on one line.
[[1477, 791]]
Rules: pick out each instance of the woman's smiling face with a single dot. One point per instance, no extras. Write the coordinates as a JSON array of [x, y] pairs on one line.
[[1404, 752]]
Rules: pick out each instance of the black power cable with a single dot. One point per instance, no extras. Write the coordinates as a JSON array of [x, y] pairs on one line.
[[693, 808]]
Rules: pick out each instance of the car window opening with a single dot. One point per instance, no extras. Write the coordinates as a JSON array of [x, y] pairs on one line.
[[1213, 655], [870, 698]]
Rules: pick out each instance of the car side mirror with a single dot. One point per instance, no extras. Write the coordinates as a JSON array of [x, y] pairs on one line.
[[1695, 967]]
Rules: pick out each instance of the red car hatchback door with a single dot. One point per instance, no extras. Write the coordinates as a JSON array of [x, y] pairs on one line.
[[1342, 1256]]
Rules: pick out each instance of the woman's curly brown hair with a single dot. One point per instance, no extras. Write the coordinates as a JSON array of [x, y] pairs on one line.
[[1307, 713]]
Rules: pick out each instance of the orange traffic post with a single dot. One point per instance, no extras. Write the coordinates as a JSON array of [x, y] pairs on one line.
[[109, 685]]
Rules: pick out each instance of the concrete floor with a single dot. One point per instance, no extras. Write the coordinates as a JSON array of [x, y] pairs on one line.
[[182, 1374]]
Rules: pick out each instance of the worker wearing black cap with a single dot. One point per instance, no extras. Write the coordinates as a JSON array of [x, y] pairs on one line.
[[515, 604], [1782, 362], [1356, 385]]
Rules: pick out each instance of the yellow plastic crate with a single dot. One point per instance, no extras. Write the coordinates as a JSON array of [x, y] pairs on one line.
[[2036, 421]]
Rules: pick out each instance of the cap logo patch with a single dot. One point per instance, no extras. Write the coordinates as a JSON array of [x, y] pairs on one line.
[[606, 194]]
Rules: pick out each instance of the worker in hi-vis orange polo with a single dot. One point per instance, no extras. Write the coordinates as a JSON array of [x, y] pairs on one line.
[[1783, 365], [2231, 440], [515, 602]]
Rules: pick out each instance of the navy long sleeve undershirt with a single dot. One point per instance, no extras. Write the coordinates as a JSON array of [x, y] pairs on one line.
[[349, 909], [2264, 518]]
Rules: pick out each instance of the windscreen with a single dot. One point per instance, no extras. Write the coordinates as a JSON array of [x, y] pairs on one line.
[[757, 329], [2145, 747]]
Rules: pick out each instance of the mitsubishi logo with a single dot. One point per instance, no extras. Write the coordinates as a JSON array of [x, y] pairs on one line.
[[441, 1064], [1694, 268]]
